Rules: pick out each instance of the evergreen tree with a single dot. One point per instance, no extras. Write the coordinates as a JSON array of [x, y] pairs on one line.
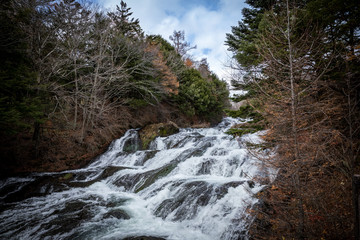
[[19, 104], [307, 79], [241, 39], [126, 25]]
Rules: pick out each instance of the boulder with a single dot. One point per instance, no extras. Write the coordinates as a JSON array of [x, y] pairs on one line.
[[150, 132], [117, 213]]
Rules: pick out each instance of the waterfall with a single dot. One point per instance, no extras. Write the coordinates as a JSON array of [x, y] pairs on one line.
[[196, 184]]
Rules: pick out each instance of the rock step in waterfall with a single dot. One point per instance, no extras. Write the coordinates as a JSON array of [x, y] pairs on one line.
[[195, 184]]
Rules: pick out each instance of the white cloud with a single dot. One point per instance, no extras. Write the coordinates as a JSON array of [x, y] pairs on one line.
[[204, 27], [167, 26]]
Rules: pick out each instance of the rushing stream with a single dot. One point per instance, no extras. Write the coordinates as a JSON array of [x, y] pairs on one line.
[[197, 184]]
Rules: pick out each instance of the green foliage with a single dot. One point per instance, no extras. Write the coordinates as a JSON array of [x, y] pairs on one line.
[[172, 58], [127, 26], [240, 131], [137, 103], [245, 112], [165, 46], [67, 176], [20, 104], [87, 63], [314, 45], [245, 128], [200, 97], [241, 39], [339, 18], [239, 98]]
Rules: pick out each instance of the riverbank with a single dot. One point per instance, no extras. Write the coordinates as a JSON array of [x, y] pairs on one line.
[[59, 148]]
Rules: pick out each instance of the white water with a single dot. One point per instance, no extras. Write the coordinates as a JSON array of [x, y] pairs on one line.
[[197, 184]]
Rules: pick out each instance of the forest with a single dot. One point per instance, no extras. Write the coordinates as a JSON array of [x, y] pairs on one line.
[[75, 77], [299, 61]]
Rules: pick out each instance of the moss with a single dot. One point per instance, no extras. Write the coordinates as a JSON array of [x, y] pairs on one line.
[[239, 132], [150, 132], [254, 126], [162, 131], [167, 130], [66, 176], [146, 141], [245, 112], [246, 128]]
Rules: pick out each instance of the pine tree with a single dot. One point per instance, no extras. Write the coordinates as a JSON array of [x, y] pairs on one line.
[[129, 27], [19, 103], [304, 68]]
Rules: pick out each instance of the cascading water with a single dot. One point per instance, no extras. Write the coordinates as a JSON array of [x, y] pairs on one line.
[[197, 184]]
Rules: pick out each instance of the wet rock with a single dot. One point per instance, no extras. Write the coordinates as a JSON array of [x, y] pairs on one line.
[[72, 215], [199, 192], [128, 181], [143, 180], [109, 171], [150, 132], [182, 205], [67, 176], [251, 184], [195, 137], [206, 167], [40, 186], [132, 145], [114, 202], [147, 155], [117, 213], [219, 152], [78, 179], [153, 175]]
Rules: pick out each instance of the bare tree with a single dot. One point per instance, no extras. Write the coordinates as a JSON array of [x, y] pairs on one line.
[[72, 22], [181, 46]]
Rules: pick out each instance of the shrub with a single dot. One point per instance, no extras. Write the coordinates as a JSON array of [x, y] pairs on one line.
[[200, 97]]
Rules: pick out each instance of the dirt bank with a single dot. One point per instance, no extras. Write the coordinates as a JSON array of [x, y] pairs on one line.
[[59, 148]]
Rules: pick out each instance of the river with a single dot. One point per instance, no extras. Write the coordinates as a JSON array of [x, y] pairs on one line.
[[196, 184]]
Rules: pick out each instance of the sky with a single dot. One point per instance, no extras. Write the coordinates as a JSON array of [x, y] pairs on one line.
[[205, 23]]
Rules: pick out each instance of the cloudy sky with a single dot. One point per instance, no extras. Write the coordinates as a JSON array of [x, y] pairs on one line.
[[205, 23]]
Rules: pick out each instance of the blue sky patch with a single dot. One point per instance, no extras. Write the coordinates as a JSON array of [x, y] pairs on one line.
[[206, 51]]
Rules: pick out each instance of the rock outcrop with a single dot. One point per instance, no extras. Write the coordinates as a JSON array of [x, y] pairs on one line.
[[150, 132]]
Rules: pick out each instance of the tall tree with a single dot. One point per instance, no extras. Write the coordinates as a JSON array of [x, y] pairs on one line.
[[179, 43], [128, 26], [204, 69], [290, 78], [301, 71], [19, 101], [72, 22]]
